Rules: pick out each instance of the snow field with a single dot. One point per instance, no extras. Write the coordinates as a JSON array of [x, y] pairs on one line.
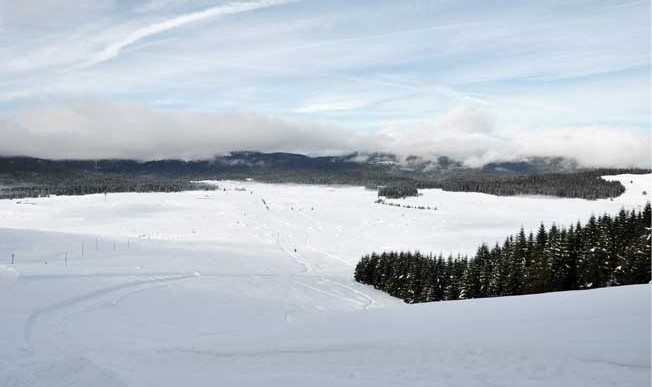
[[219, 288]]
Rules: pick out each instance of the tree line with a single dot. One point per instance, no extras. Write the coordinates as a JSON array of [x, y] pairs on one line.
[[87, 176], [409, 206], [97, 185], [586, 185], [606, 251]]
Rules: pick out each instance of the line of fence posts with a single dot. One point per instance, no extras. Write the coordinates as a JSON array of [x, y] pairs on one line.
[[83, 250]]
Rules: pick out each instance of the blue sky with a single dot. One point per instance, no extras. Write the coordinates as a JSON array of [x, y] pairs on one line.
[[375, 71]]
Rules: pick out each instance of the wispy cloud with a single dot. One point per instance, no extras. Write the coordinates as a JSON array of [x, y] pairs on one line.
[[114, 49]]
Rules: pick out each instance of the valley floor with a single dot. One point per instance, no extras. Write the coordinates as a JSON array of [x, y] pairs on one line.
[[252, 285]]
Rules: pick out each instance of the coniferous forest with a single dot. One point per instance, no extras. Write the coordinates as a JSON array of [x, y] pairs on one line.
[[29, 177], [96, 185], [398, 192], [585, 184], [605, 251]]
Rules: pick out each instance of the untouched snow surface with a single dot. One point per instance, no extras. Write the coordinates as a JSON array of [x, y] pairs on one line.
[[214, 288]]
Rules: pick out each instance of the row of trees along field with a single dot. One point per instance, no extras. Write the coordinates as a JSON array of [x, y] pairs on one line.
[[585, 184], [96, 186], [606, 251]]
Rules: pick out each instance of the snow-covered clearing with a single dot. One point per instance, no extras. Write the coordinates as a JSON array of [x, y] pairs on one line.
[[254, 287]]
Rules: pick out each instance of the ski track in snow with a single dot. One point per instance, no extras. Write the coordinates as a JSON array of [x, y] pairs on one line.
[[310, 268], [307, 266], [369, 300], [40, 313]]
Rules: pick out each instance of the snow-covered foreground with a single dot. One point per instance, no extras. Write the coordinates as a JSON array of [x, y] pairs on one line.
[[253, 287]]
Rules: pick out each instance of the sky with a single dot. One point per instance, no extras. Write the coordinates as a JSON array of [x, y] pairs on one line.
[[476, 80]]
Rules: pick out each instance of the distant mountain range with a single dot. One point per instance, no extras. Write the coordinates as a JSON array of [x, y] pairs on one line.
[[243, 163]]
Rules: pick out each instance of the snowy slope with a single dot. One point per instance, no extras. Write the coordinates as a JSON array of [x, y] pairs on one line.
[[205, 289]]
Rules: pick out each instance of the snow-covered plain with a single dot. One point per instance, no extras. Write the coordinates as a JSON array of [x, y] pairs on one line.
[[252, 285]]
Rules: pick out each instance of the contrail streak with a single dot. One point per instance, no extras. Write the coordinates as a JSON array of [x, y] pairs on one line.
[[113, 50]]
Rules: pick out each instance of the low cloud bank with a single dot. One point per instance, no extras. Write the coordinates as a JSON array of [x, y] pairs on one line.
[[100, 130], [472, 136], [94, 130]]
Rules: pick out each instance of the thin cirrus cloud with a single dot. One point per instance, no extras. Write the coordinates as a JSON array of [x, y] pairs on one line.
[[114, 49]]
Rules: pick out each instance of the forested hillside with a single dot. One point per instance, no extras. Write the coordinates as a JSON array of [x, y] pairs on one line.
[[24, 177], [605, 251]]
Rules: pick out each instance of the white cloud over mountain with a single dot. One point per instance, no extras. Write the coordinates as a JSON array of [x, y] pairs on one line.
[[100, 129]]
